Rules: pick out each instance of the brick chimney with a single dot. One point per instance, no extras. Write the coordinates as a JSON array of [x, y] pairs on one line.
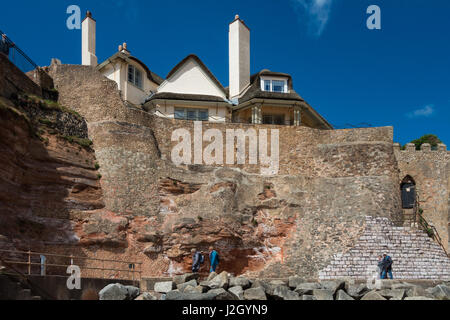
[[88, 57], [239, 55]]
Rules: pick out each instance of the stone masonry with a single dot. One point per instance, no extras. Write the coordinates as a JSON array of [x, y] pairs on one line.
[[415, 255]]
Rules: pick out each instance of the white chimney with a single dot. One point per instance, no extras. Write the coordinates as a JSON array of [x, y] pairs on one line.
[[239, 55], [88, 57]]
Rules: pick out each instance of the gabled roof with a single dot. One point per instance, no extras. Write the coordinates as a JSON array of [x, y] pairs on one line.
[[202, 65], [120, 55], [254, 90]]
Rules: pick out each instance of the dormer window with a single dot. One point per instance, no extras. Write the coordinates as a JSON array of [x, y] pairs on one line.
[[274, 85], [135, 76]]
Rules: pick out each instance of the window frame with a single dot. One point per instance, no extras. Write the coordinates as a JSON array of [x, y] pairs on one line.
[[197, 111], [271, 80], [136, 74]]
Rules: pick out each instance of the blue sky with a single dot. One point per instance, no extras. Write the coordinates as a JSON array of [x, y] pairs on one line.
[[397, 76]]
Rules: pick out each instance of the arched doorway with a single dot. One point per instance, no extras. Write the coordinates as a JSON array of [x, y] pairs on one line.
[[408, 192]]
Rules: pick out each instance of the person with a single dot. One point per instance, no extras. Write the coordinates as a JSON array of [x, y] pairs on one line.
[[5, 45], [213, 259], [387, 267], [380, 266], [197, 260]]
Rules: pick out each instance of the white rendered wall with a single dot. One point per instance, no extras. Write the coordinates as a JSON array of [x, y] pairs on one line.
[[118, 72], [191, 79]]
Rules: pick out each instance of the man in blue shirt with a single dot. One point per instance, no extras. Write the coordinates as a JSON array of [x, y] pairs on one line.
[[387, 267], [213, 259]]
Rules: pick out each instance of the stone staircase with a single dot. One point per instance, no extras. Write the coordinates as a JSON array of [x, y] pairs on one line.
[[415, 254]]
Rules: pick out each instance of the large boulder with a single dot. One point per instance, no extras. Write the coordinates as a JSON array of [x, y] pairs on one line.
[[393, 294], [164, 286], [295, 281], [117, 291], [356, 290], [211, 276], [183, 286], [342, 295], [323, 294], [441, 292], [373, 295], [418, 298], [255, 294], [268, 287], [308, 297], [333, 285], [146, 296], [240, 282], [219, 281], [282, 292], [307, 288], [177, 295], [185, 278], [222, 294], [238, 292], [133, 292], [418, 291]]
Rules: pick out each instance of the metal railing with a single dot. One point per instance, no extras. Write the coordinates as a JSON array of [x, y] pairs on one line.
[[57, 264], [418, 219], [15, 54]]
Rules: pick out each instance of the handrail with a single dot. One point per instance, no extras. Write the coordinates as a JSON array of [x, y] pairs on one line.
[[131, 270], [427, 226], [12, 48], [23, 279]]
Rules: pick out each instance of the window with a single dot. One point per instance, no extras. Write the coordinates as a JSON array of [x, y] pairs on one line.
[[191, 114], [277, 86], [135, 76], [272, 85], [273, 119]]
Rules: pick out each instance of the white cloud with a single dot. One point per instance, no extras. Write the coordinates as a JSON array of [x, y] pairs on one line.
[[426, 111], [314, 13]]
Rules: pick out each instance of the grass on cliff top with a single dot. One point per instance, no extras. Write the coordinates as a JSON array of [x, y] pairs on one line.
[[85, 143], [50, 105], [5, 105]]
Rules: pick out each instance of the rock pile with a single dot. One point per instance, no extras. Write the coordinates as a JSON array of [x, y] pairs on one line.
[[224, 286]]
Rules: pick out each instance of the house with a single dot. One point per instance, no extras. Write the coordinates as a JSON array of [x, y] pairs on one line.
[[192, 92], [134, 79]]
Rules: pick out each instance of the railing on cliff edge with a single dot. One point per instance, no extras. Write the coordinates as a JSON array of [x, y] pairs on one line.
[[106, 270], [20, 59]]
